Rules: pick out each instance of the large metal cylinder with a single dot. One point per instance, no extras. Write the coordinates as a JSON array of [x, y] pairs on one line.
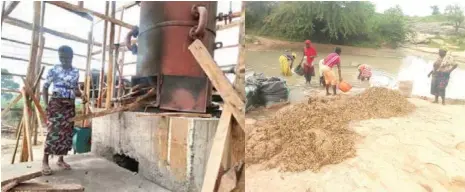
[[163, 52]]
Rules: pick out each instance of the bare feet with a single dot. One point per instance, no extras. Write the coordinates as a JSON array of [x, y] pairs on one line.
[[435, 102], [46, 170], [328, 94], [63, 165]]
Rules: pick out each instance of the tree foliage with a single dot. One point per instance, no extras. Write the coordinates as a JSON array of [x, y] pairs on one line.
[[7, 82], [454, 14], [339, 22], [435, 10]]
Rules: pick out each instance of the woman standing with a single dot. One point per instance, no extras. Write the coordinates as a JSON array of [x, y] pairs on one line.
[[329, 62], [442, 69], [310, 54], [60, 108]]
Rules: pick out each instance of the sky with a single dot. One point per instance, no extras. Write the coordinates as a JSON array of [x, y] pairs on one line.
[[61, 20], [415, 8]]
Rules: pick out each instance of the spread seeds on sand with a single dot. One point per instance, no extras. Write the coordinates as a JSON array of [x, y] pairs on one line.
[[309, 136]]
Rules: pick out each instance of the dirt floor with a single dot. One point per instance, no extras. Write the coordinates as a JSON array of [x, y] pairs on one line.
[[423, 151]]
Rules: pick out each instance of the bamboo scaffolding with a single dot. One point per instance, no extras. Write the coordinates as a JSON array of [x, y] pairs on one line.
[[6, 11], [105, 17], [120, 62], [105, 28], [26, 25], [25, 60], [46, 48], [111, 59]]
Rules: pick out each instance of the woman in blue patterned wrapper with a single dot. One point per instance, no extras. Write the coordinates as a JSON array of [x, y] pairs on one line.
[[60, 108]]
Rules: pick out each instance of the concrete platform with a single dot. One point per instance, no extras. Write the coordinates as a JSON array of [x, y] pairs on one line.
[[92, 172]]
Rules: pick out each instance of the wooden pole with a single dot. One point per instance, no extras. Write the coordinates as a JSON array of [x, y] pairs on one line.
[[110, 85], [45, 47], [27, 149], [239, 82], [88, 74], [217, 151], [122, 8], [26, 25], [105, 28], [105, 17], [9, 9], [25, 60], [120, 62], [19, 129], [36, 90], [219, 81]]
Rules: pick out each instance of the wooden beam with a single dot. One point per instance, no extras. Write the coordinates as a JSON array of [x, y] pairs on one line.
[[219, 81], [217, 151], [22, 178], [25, 60], [201, 115], [46, 48], [70, 6], [120, 63], [26, 25], [16, 75], [36, 101], [27, 145], [88, 78], [44, 187], [239, 82], [102, 71], [9, 9], [121, 48], [128, 5], [111, 59]]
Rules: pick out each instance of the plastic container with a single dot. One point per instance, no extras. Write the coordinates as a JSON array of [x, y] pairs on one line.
[[344, 86], [81, 140]]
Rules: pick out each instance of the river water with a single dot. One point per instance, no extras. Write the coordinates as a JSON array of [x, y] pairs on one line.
[[413, 68]]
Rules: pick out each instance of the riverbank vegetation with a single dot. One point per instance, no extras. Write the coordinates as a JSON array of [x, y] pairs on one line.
[[344, 23]]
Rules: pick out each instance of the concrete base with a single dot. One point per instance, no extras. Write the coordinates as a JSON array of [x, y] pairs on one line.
[[172, 152], [92, 172]]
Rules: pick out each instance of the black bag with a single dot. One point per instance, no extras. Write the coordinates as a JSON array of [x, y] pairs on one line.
[[299, 70], [273, 91]]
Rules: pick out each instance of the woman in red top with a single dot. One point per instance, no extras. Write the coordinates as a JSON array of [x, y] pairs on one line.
[[310, 54]]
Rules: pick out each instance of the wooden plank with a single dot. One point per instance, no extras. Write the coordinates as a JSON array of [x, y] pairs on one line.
[[221, 83], [23, 178], [105, 17], [111, 59], [30, 93], [120, 62], [133, 105], [26, 25], [239, 82], [105, 28], [88, 78], [25, 60], [19, 129], [46, 48], [201, 115], [27, 131], [9, 9], [45, 187], [218, 150], [37, 71], [178, 147]]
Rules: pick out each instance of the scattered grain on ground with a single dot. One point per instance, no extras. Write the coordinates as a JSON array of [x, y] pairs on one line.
[[310, 136]]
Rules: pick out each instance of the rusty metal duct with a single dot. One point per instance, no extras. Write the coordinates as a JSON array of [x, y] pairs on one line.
[[166, 30]]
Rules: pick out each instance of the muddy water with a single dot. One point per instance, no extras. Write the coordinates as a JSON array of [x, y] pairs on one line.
[[267, 62]]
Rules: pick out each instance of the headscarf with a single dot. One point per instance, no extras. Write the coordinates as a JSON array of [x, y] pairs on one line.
[[308, 42]]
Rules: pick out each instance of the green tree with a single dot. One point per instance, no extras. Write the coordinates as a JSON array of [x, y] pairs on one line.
[[327, 21], [256, 11], [454, 14], [392, 26], [7, 82], [435, 10]]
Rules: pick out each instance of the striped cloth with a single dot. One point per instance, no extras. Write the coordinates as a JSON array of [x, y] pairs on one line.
[[332, 59]]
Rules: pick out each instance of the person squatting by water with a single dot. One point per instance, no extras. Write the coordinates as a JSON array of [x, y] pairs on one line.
[[309, 55], [286, 61], [60, 108], [326, 68], [442, 69], [364, 72]]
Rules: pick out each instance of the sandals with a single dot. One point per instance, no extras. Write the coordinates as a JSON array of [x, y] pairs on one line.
[[64, 165], [46, 171]]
